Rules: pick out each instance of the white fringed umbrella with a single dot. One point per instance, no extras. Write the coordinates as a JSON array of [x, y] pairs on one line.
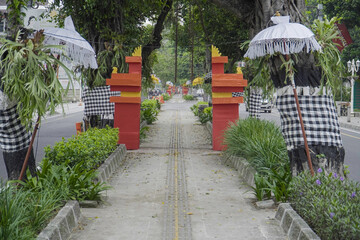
[[76, 47], [285, 38]]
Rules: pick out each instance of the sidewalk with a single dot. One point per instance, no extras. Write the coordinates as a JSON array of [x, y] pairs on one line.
[[354, 123], [175, 187]]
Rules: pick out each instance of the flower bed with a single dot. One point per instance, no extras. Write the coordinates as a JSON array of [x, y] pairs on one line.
[[329, 204], [64, 176]]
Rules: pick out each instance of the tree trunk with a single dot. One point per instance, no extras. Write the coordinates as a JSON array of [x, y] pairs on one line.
[[14, 162], [329, 157]]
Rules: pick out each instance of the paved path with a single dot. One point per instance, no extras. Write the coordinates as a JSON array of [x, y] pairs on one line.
[[175, 187]]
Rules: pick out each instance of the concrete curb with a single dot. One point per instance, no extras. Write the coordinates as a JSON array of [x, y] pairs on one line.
[[68, 217], [350, 126], [143, 124], [63, 224], [111, 163], [292, 224], [246, 172], [208, 126]]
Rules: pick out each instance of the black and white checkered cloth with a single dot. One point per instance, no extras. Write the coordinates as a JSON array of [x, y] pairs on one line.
[[97, 101], [320, 121], [13, 135], [255, 105], [237, 94]]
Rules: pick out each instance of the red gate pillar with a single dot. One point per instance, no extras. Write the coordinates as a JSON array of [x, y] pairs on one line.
[[227, 93], [127, 106]]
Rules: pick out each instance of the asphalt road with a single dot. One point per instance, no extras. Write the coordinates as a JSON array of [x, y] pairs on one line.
[[52, 130], [351, 142]]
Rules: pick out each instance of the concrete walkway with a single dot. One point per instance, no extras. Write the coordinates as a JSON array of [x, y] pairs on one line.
[[175, 187]]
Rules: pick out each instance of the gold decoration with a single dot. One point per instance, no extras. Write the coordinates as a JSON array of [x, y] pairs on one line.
[[238, 70], [137, 52], [215, 51], [115, 70], [277, 14]]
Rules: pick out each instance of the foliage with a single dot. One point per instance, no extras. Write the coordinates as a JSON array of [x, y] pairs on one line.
[[261, 189], [90, 148], [278, 182], [195, 108], [116, 23], [15, 16], [261, 143], [207, 88], [111, 56], [188, 97], [30, 76], [166, 96], [328, 203], [14, 218], [143, 132], [329, 59], [348, 11], [75, 182], [206, 115], [149, 110], [25, 209]]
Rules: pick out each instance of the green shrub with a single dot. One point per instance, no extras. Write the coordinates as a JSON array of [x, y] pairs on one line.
[[262, 144], [329, 204], [75, 183], [14, 218], [189, 97], [195, 108], [259, 141], [67, 173], [166, 96], [143, 132], [149, 110], [91, 147], [206, 115]]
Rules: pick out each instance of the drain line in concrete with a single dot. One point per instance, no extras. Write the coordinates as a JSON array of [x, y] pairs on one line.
[[177, 223]]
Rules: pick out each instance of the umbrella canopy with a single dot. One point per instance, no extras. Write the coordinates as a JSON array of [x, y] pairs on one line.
[[76, 47], [285, 38]]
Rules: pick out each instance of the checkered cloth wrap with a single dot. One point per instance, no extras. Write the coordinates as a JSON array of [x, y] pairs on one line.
[[13, 135], [237, 94], [320, 121], [255, 105], [97, 101]]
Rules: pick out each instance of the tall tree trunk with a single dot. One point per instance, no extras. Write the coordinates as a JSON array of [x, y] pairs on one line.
[[155, 42], [9, 127], [329, 156]]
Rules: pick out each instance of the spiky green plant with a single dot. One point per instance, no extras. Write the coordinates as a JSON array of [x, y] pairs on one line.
[[329, 58], [29, 76], [111, 56]]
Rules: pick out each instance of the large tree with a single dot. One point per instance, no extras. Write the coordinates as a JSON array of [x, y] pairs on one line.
[[29, 89], [308, 74], [116, 28]]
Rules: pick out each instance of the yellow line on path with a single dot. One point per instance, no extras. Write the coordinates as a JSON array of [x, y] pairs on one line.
[[176, 207], [350, 135]]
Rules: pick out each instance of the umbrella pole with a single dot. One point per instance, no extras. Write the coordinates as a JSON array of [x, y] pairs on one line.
[[302, 126], [29, 150]]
